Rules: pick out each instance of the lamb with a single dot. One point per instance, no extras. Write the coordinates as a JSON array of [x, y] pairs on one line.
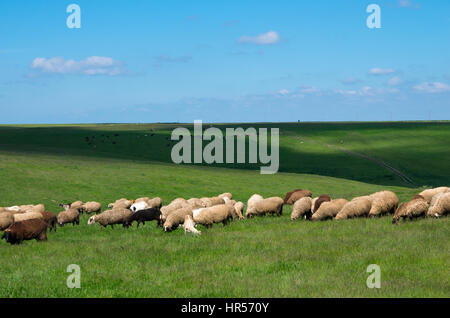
[[111, 217], [69, 216], [238, 208], [51, 219], [358, 207], [273, 205], [189, 225], [294, 196], [221, 213], [440, 206], [27, 216], [144, 215], [328, 209], [428, 194], [26, 230], [417, 207], [6, 219], [321, 199], [383, 202], [302, 208], [176, 218], [90, 207]]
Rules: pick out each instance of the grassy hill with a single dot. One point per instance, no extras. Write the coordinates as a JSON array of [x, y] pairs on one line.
[[260, 257]]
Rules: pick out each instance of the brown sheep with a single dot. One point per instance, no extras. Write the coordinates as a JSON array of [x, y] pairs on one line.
[[293, 196], [51, 219], [26, 230], [321, 199]]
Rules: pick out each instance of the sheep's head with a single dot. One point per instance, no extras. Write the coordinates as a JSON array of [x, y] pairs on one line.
[[6, 235], [91, 220], [395, 219]]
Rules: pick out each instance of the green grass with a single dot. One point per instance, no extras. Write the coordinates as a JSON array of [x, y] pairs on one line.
[[262, 257]]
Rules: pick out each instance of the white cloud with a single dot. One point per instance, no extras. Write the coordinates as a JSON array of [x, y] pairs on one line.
[[283, 92], [179, 59], [270, 37], [309, 89], [434, 87], [395, 81], [407, 4], [381, 71], [350, 80], [94, 65], [367, 91]]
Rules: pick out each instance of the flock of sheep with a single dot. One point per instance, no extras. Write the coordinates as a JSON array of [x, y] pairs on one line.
[[26, 222]]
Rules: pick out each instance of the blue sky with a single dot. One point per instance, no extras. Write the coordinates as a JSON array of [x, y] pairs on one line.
[[223, 61]]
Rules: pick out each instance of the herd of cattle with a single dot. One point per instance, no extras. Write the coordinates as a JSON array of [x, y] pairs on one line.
[[26, 222]]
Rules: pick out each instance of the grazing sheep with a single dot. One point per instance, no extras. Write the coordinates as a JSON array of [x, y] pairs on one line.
[[215, 214], [440, 206], [155, 203], [26, 230], [358, 207], [288, 195], [176, 218], [273, 205], [415, 208], [90, 207], [111, 217], [73, 205], [121, 204], [149, 203], [328, 210], [172, 207], [217, 201], [69, 216], [238, 209], [6, 219], [251, 202], [189, 225], [39, 208], [27, 216], [51, 219], [302, 208], [321, 199], [206, 202], [144, 215], [383, 202], [428, 194], [296, 195]]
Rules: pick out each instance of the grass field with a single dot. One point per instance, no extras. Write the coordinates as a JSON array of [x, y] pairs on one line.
[[263, 257]]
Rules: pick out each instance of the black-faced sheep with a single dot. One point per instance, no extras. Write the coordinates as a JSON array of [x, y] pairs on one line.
[[328, 210], [383, 202], [273, 205], [143, 216], [26, 230], [176, 218], [294, 196], [110, 217], [358, 207], [302, 209], [69, 216], [440, 206], [417, 207], [221, 213]]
